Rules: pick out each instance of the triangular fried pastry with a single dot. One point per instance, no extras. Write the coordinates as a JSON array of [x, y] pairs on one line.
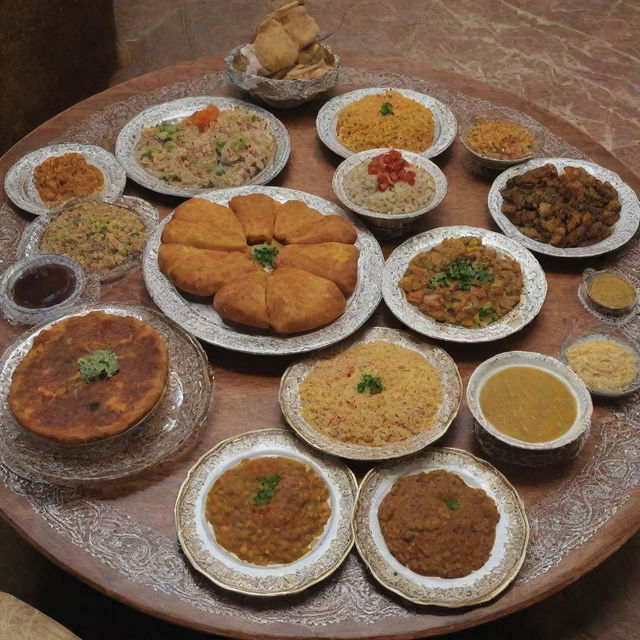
[[203, 236], [257, 215], [300, 301], [202, 272], [205, 212], [244, 300], [296, 223], [335, 261], [331, 228]]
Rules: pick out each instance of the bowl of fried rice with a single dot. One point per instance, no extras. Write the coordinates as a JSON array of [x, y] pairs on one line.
[[499, 137]]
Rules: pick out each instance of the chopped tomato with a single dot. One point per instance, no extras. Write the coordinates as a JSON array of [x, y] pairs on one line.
[[390, 167], [203, 118]]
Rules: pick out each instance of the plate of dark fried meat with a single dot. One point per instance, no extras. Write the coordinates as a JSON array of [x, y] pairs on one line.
[[564, 207]]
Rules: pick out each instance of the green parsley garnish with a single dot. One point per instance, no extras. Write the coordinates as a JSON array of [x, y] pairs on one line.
[[369, 384], [220, 145], [147, 154], [464, 271], [485, 311], [267, 489], [265, 254], [170, 177], [452, 504], [101, 364], [241, 145], [386, 109]]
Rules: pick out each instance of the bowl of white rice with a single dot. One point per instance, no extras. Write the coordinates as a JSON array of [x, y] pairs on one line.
[[391, 189]]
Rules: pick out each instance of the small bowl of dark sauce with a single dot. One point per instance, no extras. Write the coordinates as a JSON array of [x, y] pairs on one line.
[[38, 287]]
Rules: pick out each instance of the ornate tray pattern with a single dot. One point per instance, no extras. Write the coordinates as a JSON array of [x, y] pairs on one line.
[[145, 212], [224, 568], [205, 323], [507, 555], [444, 134], [179, 413], [533, 295], [129, 137], [623, 230], [20, 188], [560, 523], [291, 404]]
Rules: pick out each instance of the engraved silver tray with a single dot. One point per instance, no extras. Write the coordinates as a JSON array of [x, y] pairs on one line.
[[147, 214], [445, 122], [507, 554], [19, 185], [200, 318], [180, 412], [623, 230], [291, 404], [223, 567], [533, 294], [177, 110]]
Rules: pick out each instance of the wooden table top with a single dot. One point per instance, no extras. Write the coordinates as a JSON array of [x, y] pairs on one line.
[[149, 498]]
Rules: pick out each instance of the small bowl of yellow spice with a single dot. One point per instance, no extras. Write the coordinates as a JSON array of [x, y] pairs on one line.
[[604, 358], [608, 292], [498, 138]]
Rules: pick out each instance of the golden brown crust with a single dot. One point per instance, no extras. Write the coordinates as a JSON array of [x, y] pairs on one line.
[[299, 301], [257, 215], [296, 223], [244, 300], [200, 271], [335, 261], [202, 236], [49, 398]]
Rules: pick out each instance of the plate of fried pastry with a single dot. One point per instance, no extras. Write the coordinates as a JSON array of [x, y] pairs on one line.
[[264, 270]]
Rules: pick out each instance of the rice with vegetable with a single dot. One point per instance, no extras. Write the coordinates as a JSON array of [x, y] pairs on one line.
[[398, 196], [97, 235], [372, 394], [386, 120], [210, 148]]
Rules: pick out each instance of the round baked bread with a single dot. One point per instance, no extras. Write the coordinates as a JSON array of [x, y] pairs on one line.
[[48, 394]]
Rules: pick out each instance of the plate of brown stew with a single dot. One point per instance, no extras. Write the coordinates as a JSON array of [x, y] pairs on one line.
[[441, 527], [564, 207], [263, 515]]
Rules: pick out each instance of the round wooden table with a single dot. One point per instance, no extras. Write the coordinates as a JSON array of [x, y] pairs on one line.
[[121, 538]]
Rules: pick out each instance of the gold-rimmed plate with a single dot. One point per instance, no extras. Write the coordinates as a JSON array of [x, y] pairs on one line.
[[291, 403], [224, 568], [484, 584]]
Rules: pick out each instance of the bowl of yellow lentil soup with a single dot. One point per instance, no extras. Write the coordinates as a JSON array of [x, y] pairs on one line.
[[500, 137]]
